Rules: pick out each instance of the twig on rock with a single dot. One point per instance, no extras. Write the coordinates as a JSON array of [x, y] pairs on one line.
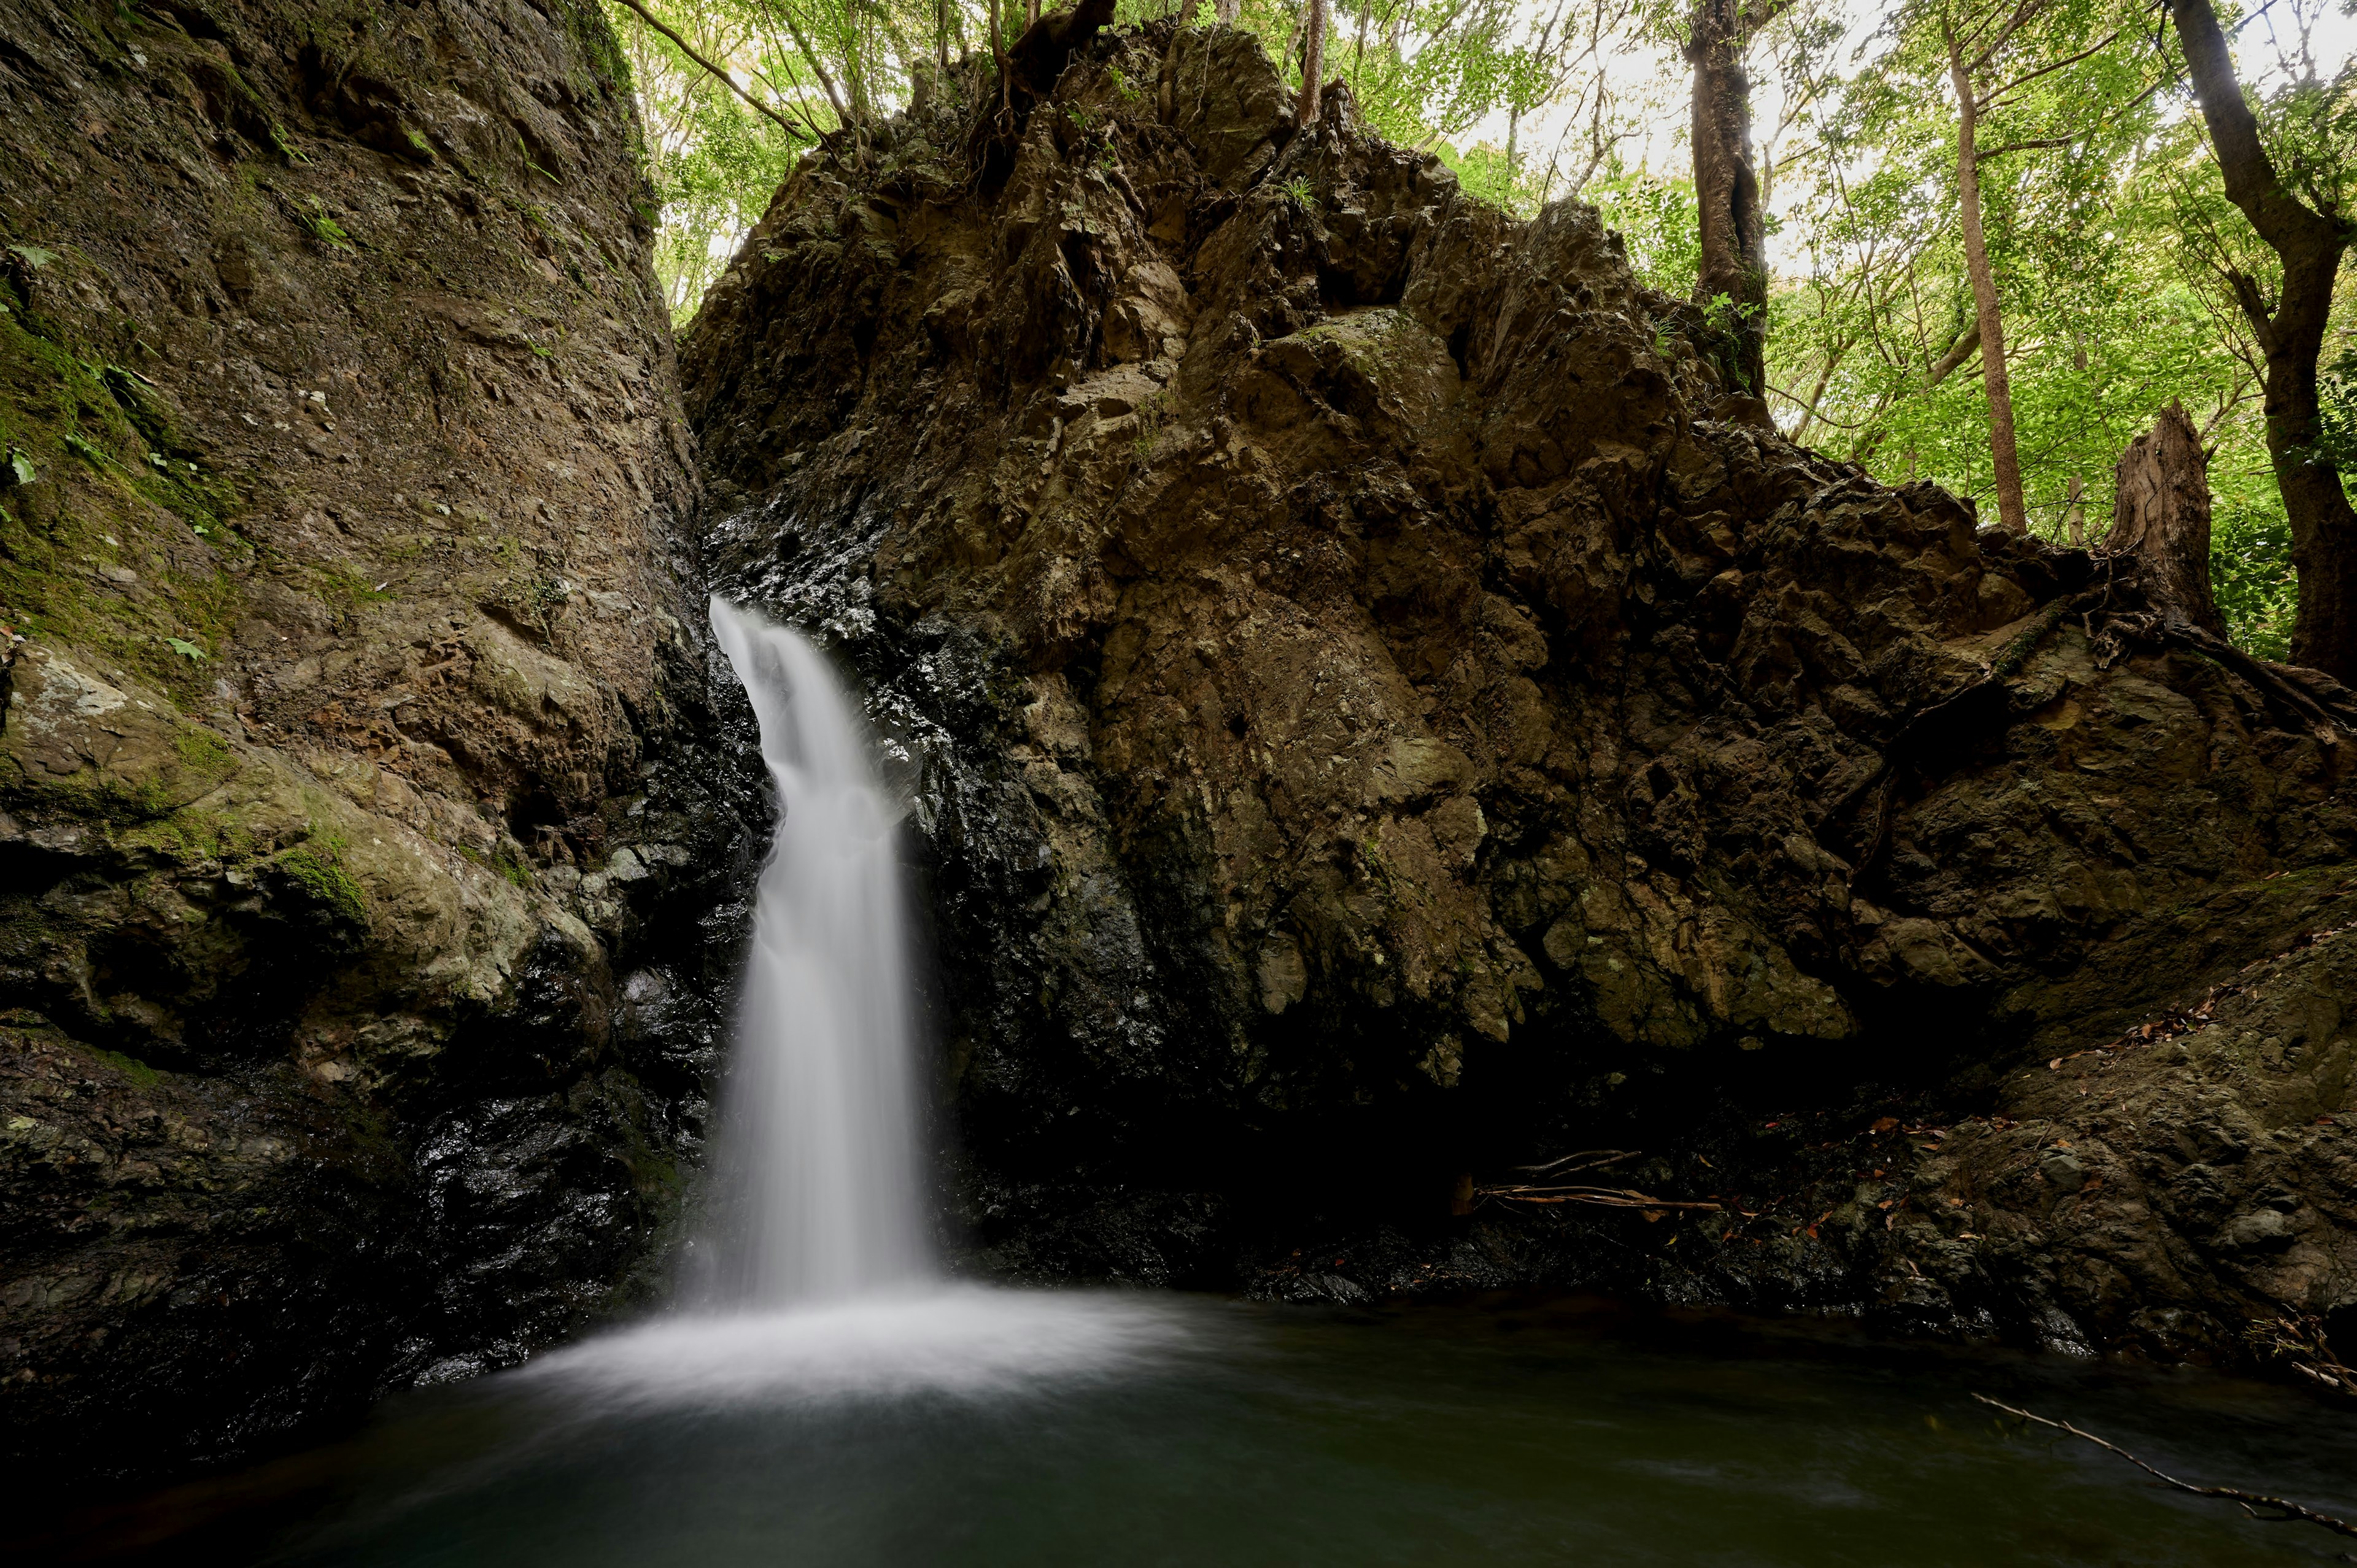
[[1602, 1196], [1585, 1160], [2250, 1502]]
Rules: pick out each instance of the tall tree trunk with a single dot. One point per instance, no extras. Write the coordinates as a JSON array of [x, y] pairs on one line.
[[1225, 10], [1187, 13], [2161, 512], [2003, 456], [1733, 230], [2074, 514], [1313, 61], [2309, 243]]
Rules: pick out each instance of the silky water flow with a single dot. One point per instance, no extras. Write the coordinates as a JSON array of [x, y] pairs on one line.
[[817, 1192], [813, 1277]]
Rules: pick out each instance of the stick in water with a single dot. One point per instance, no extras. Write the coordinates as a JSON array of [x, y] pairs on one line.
[[2251, 1502]]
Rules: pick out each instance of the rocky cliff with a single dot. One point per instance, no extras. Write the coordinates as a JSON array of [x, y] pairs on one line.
[[366, 869], [1381, 719]]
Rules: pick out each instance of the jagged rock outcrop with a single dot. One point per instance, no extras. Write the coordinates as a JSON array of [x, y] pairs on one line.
[[367, 848], [1370, 725]]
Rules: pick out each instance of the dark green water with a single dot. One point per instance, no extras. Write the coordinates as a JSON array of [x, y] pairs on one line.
[[1196, 1431]]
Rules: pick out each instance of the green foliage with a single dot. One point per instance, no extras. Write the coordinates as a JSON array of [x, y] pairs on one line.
[[2111, 252], [1656, 218]]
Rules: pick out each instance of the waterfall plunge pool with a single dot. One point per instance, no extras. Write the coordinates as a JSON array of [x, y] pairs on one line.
[[973, 1426]]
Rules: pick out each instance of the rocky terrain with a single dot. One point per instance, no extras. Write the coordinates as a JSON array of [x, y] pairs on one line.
[[1389, 743], [1381, 721], [367, 864]]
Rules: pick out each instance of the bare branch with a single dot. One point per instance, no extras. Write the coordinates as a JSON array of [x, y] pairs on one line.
[[1994, 93], [1999, 152], [2251, 1502], [649, 18]]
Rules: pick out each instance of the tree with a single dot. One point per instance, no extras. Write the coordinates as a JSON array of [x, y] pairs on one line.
[[1733, 230], [2000, 36], [1313, 61], [2306, 239], [2161, 511]]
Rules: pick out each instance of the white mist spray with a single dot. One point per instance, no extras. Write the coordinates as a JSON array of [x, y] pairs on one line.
[[818, 1166]]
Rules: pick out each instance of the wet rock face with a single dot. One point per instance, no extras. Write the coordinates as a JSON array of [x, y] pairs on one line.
[[1369, 723], [369, 844]]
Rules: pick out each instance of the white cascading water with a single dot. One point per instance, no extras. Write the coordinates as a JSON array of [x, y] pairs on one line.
[[818, 1166], [816, 1281]]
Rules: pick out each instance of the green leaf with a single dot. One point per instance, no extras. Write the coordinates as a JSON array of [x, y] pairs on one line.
[[188, 651], [32, 256], [20, 467]]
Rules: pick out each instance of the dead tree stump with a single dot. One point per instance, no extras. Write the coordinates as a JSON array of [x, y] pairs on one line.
[[2160, 514]]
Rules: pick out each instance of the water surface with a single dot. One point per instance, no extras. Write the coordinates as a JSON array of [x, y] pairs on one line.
[[1042, 1428]]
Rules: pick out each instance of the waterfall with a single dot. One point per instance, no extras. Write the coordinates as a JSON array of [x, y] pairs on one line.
[[814, 1279], [817, 1166]]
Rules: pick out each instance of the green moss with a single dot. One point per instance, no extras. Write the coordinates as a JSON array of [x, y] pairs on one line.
[[506, 858], [202, 749], [594, 42], [140, 1074], [316, 866], [114, 482], [349, 590], [508, 862]]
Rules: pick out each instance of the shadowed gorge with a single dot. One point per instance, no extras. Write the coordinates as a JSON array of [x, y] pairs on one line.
[[1407, 786]]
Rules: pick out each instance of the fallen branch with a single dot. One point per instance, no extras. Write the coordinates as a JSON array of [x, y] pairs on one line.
[[2250, 1502], [2300, 1344], [1585, 1160], [1601, 1197]]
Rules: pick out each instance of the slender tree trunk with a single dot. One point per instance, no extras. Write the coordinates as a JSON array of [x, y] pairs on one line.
[[2309, 244], [2003, 456], [1030, 12], [1225, 10], [2075, 514], [1186, 13], [2161, 513], [1733, 229], [1313, 61], [818, 68]]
